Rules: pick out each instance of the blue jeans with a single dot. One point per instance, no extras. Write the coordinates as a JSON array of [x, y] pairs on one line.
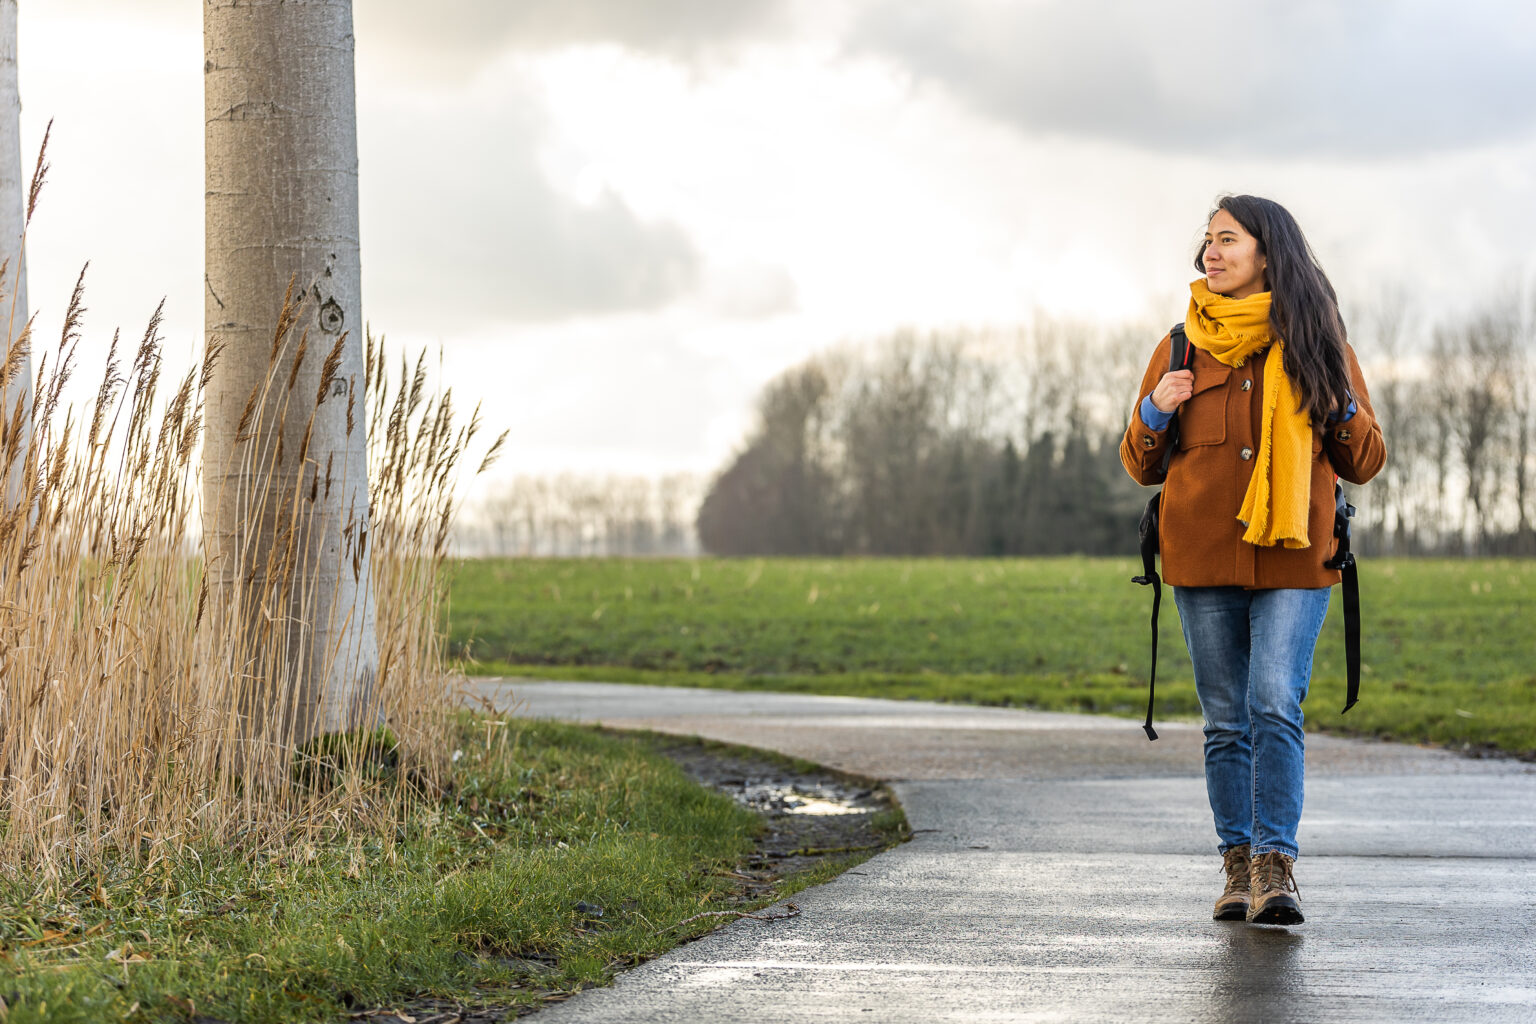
[[1252, 653]]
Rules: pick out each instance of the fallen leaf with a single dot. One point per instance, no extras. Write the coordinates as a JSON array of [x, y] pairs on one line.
[[49, 935]]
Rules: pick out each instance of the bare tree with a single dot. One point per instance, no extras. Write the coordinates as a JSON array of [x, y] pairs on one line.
[[1383, 339], [16, 412], [286, 495], [887, 425], [678, 496], [1043, 381], [776, 497], [1523, 412], [1472, 363], [1124, 356]]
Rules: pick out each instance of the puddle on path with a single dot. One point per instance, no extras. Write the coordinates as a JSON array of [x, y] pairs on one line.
[[775, 796]]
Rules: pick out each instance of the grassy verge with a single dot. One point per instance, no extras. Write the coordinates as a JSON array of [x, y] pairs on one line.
[[1447, 651], [486, 899]]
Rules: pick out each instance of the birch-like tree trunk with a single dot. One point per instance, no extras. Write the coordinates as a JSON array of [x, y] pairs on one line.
[[286, 491], [13, 289]]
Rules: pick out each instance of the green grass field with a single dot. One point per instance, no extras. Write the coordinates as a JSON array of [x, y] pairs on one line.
[[1448, 644]]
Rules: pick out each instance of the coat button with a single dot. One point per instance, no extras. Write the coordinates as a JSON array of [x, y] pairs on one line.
[[1148, 441], [1246, 453], [1247, 385], [1342, 435]]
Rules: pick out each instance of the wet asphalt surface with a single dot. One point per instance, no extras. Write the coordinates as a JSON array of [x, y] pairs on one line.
[[1063, 869]]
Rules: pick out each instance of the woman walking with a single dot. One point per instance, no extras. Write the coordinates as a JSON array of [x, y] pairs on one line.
[[1272, 407]]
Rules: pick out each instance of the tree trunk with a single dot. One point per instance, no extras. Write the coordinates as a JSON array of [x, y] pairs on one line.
[[13, 289], [286, 498]]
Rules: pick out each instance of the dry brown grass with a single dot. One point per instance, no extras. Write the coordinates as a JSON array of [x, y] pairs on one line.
[[134, 711]]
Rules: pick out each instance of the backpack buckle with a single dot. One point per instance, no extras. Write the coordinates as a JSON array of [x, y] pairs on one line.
[[1343, 560]]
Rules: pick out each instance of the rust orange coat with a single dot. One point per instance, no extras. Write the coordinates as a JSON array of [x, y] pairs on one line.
[[1200, 537]]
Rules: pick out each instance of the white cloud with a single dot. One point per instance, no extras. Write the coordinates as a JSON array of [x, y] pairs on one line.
[[1300, 78], [454, 38], [464, 227]]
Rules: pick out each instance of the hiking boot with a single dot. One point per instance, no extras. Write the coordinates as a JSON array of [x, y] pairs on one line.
[[1233, 903], [1273, 897]]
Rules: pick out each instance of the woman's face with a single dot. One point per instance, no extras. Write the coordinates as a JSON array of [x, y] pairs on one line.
[[1233, 264]]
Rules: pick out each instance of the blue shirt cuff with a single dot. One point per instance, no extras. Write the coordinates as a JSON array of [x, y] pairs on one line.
[[1156, 419], [1334, 417]]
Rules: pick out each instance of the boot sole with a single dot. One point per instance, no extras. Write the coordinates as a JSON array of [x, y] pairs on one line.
[[1280, 910], [1238, 912]]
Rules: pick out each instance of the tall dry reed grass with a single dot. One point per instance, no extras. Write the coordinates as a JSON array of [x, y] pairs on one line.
[[135, 712]]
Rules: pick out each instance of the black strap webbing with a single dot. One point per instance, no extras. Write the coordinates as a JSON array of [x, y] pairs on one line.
[[1352, 633], [1344, 561], [1149, 577]]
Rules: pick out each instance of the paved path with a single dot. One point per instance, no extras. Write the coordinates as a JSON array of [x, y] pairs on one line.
[[1065, 871]]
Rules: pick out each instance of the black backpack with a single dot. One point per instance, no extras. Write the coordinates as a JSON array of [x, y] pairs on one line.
[[1181, 356]]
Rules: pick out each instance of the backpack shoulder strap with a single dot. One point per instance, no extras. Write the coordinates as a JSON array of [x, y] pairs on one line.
[[1181, 356]]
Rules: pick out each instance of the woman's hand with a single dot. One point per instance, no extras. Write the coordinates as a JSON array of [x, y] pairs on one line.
[[1173, 390]]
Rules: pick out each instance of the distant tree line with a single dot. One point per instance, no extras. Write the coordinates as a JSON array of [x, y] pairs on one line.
[[1006, 443], [902, 448], [571, 515]]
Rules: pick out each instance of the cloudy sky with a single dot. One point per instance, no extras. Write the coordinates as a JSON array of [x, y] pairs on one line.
[[620, 217]]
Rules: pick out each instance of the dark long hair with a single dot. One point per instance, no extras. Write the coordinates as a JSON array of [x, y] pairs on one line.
[[1303, 308]]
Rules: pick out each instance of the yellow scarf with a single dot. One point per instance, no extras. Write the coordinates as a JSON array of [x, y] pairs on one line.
[[1280, 492]]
